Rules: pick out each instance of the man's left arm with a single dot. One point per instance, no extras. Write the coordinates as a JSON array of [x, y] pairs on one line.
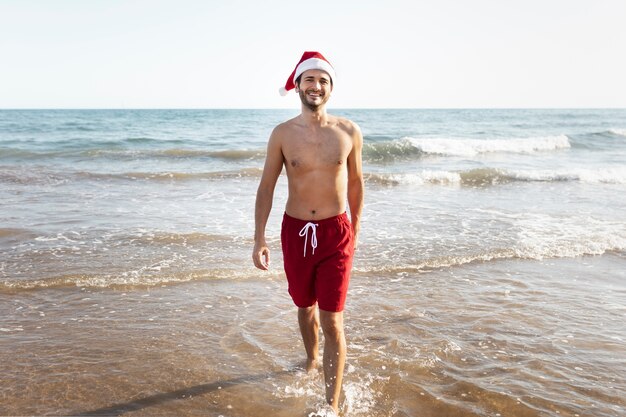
[[355, 181]]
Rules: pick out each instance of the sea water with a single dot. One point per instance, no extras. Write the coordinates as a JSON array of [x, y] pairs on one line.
[[489, 280]]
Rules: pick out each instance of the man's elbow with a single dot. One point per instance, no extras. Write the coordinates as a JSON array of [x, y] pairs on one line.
[[356, 182], [355, 189], [265, 187]]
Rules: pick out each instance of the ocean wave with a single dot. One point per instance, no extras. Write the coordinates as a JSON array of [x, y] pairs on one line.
[[390, 150], [531, 246], [618, 132], [25, 176], [237, 154], [407, 148], [584, 175], [473, 147], [128, 280], [177, 176], [124, 154], [15, 234], [168, 238], [493, 176], [45, 177], [543, 236], [410, 147], [471, 177], [435, 262], [419, 178], [134, 238], [145, 259], [88, 258], [177, 153]]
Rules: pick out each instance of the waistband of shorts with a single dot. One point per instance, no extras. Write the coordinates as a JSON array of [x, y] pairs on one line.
[[329, 220]]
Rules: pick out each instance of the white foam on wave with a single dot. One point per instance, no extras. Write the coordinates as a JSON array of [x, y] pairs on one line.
[[150, 276], [473, 147], [304, 385], [585, 175], [323, 410], [359, 394], [532, 236], [620, 132], [15, 329], [615, 175], [359, 397], [544, 236], [417, 178]]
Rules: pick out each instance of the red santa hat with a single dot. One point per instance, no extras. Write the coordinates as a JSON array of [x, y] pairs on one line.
[[310, 60]]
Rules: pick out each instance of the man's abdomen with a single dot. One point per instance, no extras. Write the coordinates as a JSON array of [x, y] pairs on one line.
[[314, 197]]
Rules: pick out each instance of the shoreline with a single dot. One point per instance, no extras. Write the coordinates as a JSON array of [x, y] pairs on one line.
[[481, 338]]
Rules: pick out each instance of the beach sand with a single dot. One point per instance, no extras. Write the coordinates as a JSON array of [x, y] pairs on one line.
[[510, 338]]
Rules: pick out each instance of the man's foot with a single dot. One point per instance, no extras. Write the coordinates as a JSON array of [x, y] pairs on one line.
[[312, 365], [325, 411]]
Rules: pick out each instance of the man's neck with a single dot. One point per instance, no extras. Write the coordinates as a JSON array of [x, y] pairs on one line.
[[314, 117]]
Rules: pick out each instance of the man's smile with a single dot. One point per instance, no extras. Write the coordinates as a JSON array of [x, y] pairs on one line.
[[314, 93]]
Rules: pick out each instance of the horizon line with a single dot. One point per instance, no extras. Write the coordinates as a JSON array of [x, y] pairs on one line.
[[331, 109]]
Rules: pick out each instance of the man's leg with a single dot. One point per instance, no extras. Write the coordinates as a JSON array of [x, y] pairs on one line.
[[334, 355], [309, 322]]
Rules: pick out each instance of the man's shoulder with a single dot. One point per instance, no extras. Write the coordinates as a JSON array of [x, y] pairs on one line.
[[280, 131], [285, 126], [346, 125]]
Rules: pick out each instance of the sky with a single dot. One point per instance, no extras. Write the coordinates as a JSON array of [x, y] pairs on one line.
[[387, 54]]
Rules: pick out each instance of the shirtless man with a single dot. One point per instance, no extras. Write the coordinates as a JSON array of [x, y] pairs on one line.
[[322, 156]]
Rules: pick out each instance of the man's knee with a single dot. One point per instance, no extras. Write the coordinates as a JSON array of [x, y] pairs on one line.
[[308, 313], [332, 324]]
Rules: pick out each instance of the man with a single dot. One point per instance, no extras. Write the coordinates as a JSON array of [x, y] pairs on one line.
[[322, 156]]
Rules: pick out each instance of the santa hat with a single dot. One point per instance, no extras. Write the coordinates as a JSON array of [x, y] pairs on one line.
[[309, 61]]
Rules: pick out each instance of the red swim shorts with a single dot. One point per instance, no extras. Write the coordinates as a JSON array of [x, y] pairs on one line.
[[318, 259]]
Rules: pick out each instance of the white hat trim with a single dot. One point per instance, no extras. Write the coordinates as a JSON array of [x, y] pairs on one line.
[[314, 63]]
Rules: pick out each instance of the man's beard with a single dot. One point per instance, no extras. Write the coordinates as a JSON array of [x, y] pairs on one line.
[[312, 107]]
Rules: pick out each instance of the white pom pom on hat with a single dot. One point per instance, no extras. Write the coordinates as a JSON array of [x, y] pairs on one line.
[[310, 60]]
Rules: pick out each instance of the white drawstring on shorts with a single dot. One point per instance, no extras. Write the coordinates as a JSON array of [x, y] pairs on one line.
[[305, 233]]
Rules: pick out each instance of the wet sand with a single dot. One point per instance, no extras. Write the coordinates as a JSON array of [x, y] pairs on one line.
[[509, 338]]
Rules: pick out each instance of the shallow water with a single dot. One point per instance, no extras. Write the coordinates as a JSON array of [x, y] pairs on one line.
[[514, 337], [489, 279]]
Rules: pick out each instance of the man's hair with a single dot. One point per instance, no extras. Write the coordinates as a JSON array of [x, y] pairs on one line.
[[297, 82]]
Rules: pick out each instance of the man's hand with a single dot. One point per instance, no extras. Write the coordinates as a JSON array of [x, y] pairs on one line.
[[261, 255]]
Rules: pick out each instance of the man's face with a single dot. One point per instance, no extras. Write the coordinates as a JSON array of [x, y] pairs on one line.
[[314, 88]]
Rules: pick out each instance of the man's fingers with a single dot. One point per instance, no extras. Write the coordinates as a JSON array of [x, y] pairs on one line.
[[266, 254], [261, 259], [260, 262]]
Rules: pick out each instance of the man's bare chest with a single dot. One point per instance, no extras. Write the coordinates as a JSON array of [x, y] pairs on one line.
[[316, 153]]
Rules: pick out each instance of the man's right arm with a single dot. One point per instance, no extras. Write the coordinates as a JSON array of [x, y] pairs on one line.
[[264, 198]]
